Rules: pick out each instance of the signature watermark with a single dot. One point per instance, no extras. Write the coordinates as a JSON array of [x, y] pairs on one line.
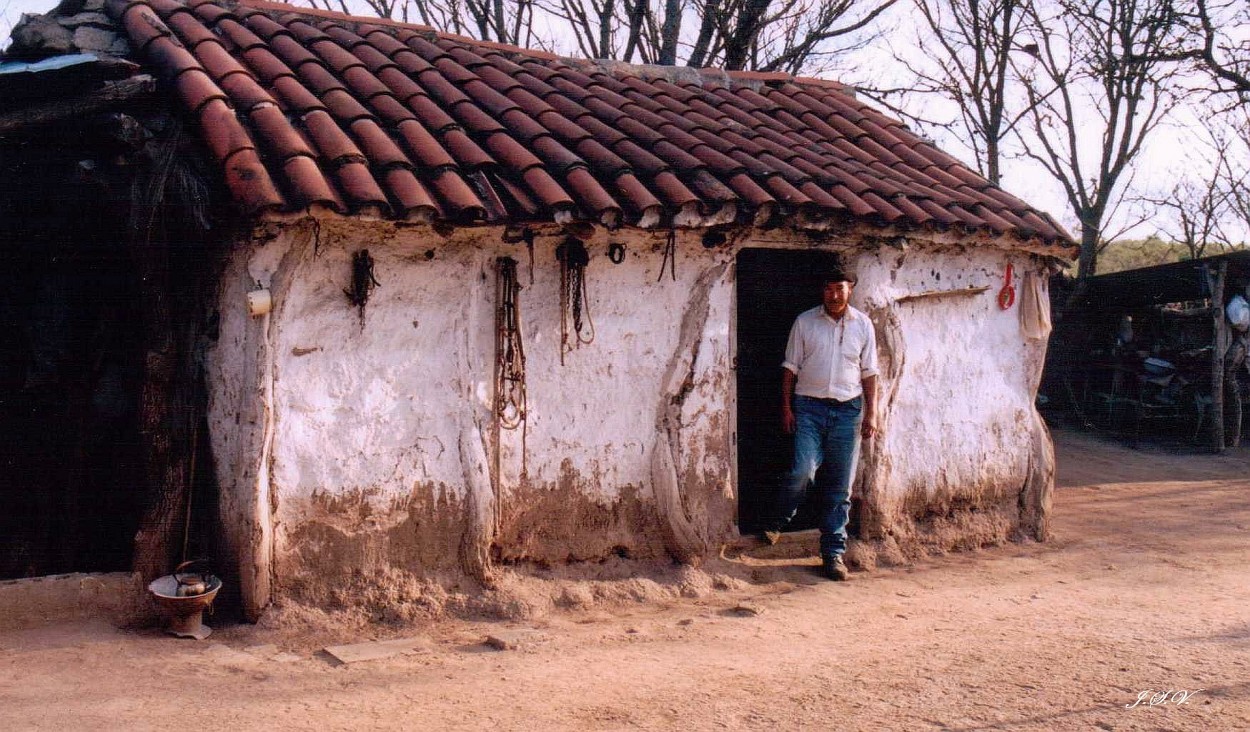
[[1153, 698]]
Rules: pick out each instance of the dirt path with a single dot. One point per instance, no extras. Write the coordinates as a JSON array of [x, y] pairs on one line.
[[1144, 588]]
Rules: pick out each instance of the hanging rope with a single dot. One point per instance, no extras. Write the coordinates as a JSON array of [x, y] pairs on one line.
[[574, 303], [670, 257], [509, 352], [528, 237]]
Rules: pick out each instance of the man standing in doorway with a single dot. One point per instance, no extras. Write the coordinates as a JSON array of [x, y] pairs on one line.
[[829, 399]]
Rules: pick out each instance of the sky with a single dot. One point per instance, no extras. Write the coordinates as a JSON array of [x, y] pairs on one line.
[[1163, 160], [11, 10]]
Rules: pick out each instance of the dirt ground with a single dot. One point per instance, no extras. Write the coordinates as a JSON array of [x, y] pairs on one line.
[[1144, 588]]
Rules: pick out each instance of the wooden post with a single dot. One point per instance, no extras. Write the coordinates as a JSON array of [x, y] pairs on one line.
[[1219, 343]]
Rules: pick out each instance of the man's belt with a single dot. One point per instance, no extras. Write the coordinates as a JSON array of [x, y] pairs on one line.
[[831, 402]]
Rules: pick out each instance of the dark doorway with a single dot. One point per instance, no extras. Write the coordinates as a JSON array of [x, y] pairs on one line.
[[71, 368], [774, 286]]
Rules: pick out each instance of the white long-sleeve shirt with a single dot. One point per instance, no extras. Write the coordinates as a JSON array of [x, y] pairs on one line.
[[831, 358]]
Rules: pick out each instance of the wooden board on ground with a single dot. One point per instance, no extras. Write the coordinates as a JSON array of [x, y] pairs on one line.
[[374, 650]]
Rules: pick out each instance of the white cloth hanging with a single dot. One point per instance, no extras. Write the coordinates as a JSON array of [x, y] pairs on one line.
[[1034, 307]]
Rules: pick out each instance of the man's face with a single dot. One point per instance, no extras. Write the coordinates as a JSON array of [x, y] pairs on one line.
[[835, 297]]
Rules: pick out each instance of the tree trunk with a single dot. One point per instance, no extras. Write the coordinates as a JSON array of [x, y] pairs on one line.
[[605, 29], [739, 45], [1087, 263], [636, 17], [669, 34], [698, 54]]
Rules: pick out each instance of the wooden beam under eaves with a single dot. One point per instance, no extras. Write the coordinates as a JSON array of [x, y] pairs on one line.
[[112, 94]]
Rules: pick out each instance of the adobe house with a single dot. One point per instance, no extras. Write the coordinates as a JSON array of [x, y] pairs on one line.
[[475, 306]]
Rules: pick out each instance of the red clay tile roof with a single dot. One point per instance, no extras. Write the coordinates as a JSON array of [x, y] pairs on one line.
[[309, 108]]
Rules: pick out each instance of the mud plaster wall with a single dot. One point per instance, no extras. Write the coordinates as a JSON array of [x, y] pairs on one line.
[[961, 432], [383, 446], [380, 451]]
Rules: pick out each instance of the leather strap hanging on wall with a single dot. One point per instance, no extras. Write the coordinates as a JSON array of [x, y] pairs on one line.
[[363, 282], [510, 398], [670, 257], [576, 326]]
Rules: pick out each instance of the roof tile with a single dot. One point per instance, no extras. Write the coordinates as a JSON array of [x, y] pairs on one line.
[[412, 200], [465, 152], [389, 110], [591, 196], [637, 197], [374, 59], [338, 59], [333, 145], [379, 148], [359, 188], [264, 26], [939, 213], [250, 184], [513, 196], [424, 149], [170, 58], [521, 125], [189, 29], [672, 191], [363, 83], [266, 65], [308, 186], [278, 136], [222, 131], [318, 79], [307, 33], [511, 154], [343, 36], [294, 96], [475, 120], [244, 92], [291, 51], [218, 62], [241, 37], [399, 115], [167, 8], [857, 205], [210, 13], [196, 89], [143, 26], [460, 202], [344, 106]]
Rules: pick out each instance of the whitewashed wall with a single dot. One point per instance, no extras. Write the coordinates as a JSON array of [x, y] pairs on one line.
[[347, 445], [963, 438]]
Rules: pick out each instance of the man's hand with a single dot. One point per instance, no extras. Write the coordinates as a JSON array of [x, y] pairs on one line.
[[787, 419], [868, 427]]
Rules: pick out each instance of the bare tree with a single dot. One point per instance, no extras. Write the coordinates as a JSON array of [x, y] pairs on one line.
[[1196, 208], [966, 50], [6, 25], [1206, 207], [501, 21], [762, 35], [787, 35], [1235, 172], [1217, 37], [1096, 91]]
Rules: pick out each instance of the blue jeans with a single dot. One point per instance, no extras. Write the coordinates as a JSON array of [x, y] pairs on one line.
[[826, 433]]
